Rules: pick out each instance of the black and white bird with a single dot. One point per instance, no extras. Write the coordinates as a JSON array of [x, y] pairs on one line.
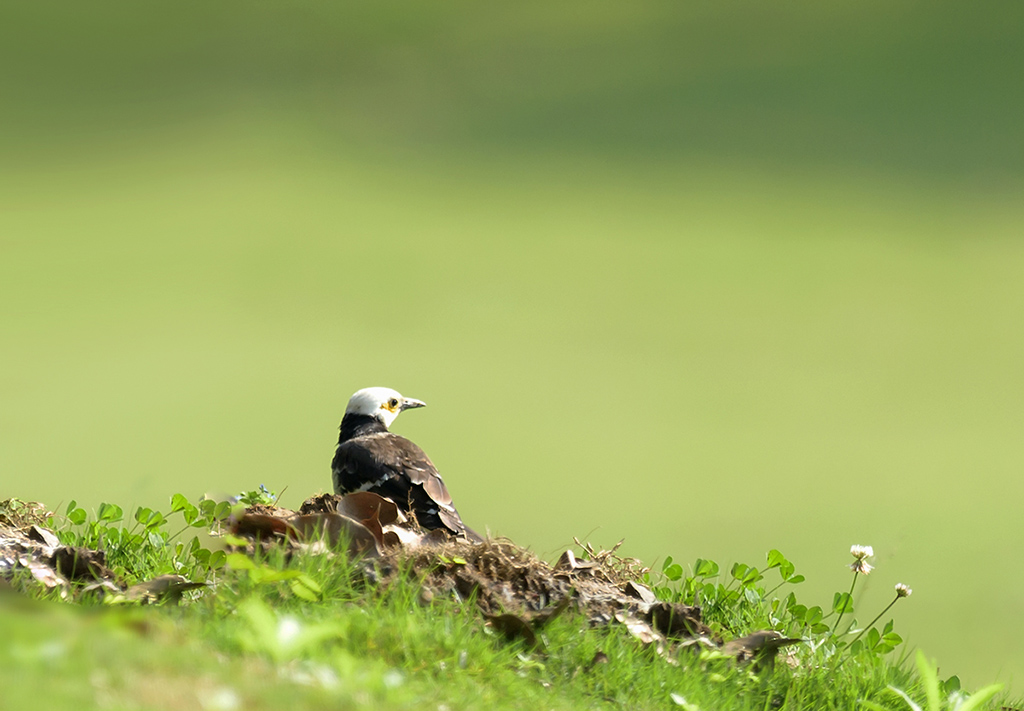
[[370, 458]]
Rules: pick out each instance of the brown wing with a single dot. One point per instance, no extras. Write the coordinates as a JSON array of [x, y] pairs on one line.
[[392, 466]]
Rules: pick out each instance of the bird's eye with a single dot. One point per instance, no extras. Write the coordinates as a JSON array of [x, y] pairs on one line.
[[393, 403]]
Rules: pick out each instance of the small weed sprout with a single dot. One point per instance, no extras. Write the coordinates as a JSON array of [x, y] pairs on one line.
[[262, 497]]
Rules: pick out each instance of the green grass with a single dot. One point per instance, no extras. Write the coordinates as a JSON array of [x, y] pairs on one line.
[[255, 640], [364, 649]]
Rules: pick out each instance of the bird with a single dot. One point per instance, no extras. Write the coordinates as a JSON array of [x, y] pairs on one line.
[[371, 458]]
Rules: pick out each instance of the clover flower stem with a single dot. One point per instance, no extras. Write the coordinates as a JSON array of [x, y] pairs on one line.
[[850, 595], [877, 618]]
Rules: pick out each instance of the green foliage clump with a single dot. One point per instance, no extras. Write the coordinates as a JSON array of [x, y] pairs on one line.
[[143, 549], [743, 603]]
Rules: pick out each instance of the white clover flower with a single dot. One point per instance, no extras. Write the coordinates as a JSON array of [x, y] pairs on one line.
[[903, 590], [861, 566], [862, 552]]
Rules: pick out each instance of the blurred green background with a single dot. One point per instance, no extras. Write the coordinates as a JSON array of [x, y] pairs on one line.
[[712, 277]]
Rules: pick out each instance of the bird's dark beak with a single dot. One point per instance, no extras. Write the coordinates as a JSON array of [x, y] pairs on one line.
[[408, 403]]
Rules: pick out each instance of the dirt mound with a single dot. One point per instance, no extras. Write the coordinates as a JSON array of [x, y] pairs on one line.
[[519, 593], [516, 591]]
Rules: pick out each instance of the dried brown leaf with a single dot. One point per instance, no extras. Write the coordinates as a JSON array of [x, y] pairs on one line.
[[638, 628], [566, 561], [677, 620], [43, 535], [642, 592], [44, 574], [102, 586], [366, 506], [262, 526], [80, 564], [334, 528]]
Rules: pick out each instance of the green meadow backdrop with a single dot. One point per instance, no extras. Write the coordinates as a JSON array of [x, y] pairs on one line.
[[712, 277]]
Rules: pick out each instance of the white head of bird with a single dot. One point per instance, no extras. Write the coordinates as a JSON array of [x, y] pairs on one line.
[[384, 404]]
